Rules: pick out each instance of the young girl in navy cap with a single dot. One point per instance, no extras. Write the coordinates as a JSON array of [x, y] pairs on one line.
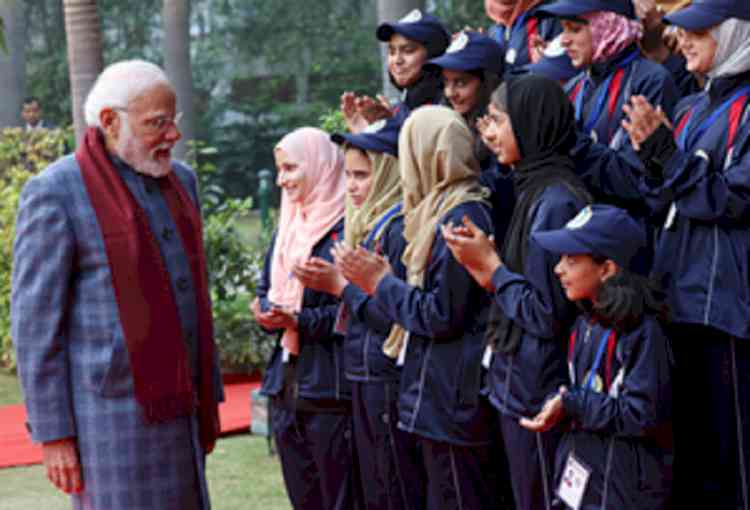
[[699, 181], [374, 221], [472, 68], [529, 314], [616, 453], [441, 314], [601, 39], [411, 41]]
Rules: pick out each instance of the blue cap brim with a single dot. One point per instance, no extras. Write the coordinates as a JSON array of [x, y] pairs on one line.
[[366, 142], [560, 241], [695, 17], [553, 68], [453, 62], [575, 8]]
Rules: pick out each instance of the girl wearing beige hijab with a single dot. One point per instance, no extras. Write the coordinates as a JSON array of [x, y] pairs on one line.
[[374, 221], [440, 313]]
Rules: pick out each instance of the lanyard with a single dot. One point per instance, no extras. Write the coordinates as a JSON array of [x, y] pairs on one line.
[[601, 96], [519, 23], [598, 360], [393, 211], [687, 139]]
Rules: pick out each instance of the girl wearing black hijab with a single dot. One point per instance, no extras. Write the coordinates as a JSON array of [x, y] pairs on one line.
[[531, 128]]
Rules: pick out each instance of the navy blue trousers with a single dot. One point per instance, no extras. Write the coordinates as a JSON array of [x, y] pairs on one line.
[[711, 418], [387, 473], [531, 457], [317, 458]]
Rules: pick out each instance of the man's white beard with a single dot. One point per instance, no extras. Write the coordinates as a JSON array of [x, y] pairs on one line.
[[133, 152]]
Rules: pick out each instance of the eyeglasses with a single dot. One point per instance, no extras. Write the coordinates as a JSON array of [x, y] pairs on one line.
[[157, 124]]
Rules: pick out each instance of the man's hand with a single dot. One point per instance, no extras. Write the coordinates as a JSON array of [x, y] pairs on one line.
[[473, 249], [63, 466]]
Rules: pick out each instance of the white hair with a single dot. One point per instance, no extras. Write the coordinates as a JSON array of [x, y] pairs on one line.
[[119, 84]]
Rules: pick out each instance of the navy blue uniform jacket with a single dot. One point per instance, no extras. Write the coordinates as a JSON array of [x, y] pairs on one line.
[[519, 383], [320, 367], [702, 257], [369, 326], [641, 77], [446, 320], [616, 430]]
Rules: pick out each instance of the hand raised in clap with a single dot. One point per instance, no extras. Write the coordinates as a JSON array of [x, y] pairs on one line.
[[473, 249], [320, 275], [361, 267]]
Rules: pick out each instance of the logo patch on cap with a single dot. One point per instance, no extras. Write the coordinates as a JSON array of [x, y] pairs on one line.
[[459, 43], [554, 48], [375, 127], [581, 219], [511, 56], [413, 17]]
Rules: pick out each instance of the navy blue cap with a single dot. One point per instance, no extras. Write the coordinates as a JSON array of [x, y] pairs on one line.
[[602, 230], [703, 14], [469, 51], [381, 136], [555, 64], [418, 26], [574, 8]]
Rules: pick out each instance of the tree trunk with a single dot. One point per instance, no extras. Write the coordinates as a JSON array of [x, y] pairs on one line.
[[393, 10], [176, 16], [85, 62], [12, 63]]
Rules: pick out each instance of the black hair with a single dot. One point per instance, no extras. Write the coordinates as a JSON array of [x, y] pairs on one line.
[[490, 82], [624, 298], [31, 99]]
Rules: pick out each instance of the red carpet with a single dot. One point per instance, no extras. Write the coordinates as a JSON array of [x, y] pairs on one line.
[[16, 448]]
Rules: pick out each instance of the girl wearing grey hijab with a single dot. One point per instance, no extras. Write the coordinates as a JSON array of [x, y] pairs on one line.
[[698, 183]]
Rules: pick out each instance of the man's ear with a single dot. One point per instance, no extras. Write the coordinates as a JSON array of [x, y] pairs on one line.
[[109, 121]]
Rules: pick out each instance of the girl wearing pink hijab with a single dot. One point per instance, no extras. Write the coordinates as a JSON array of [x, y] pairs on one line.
[[310, 400], [601, 37]]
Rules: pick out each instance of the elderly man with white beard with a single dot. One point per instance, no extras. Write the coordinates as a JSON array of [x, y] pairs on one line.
[[111, 315]]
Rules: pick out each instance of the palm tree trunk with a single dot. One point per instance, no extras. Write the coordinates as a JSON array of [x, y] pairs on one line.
[[85, 62], [176, 16], [12, 63]]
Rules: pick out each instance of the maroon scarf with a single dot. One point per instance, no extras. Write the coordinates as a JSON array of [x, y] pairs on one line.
[[148, 312]]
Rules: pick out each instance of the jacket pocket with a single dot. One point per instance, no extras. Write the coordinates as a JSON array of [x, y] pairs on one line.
[[118, 377]]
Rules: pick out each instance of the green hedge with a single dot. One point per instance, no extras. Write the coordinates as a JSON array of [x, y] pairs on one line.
[[233, 266]]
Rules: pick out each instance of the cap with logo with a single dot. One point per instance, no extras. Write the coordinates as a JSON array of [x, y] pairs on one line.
[[469, 51], [418, 26], [602, 230], [575, 8], [704, 14], [381, 136], [555, 63]]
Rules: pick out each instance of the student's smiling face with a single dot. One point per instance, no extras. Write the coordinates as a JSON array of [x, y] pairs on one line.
[[405, 60], [290, 176], [461, 89], [699, 49]]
